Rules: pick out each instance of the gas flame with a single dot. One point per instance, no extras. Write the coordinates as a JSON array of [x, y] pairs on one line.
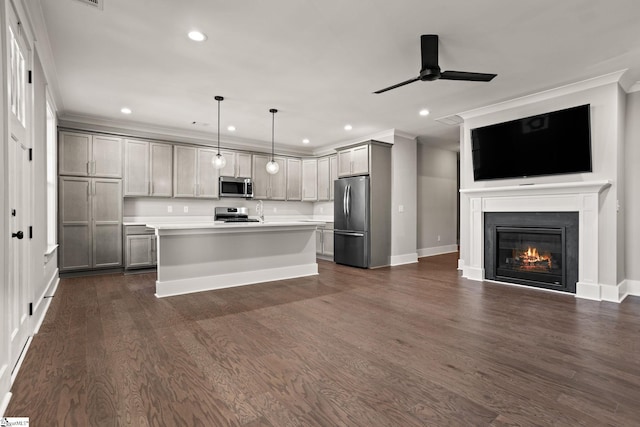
[[531, 259]]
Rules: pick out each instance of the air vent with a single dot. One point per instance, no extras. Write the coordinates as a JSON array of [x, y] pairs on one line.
[[98, 4], [450, 120]]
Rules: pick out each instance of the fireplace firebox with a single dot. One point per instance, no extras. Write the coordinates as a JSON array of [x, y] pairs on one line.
[[532, 248]]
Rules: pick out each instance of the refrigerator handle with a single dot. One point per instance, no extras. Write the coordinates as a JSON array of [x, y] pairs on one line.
[[348, 199], [344, 201]]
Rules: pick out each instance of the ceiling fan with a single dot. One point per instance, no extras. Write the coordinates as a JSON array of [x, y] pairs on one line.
[[431, 71]]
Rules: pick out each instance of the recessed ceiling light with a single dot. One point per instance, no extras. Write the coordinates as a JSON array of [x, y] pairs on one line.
[[305, 141], [197, 36], [125, 110], [348, 127], [424, 112], [231, 128]]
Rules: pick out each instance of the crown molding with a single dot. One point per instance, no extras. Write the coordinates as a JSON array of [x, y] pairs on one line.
[[545, 95]]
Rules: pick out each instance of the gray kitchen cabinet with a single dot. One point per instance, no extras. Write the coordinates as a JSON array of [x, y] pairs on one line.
[[90, 224], [323, 179], [353, 161], [147, 168], [309, 180], [265, 185], [140, 247], [85, 154], [333, 173], [294, 179], [194, 174], [238, 164], [324, 241]]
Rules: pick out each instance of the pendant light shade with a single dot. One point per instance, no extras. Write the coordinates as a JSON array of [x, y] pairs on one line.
[[273, 167], [219, 161]]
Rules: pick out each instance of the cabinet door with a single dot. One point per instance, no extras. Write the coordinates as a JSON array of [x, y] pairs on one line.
[[294, 179], [107, 156], [323, 179], [139, 251], [261, 179], [107, 222], [75, 223], [184, 171], [161, 169], [230, 168], [136, 168], [360, 160], [344, 163], [319, 241], [243, 163], [327, 243], [278, 189], [310, 180], [74, 153], [207, 184], [333, 173]]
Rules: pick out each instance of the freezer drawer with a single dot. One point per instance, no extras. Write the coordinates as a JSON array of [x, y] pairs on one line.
[[351, 248]]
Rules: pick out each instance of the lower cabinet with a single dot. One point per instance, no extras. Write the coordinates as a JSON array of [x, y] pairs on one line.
[[139, 247], [324, 241], [90, 232]]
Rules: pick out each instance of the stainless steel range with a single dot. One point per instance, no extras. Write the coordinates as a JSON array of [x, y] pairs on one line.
[[233, 215]]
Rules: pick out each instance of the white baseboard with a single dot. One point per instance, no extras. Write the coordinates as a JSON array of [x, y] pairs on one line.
[[460, 264], [437, 250], [404, 259], [209, 283], [633, 287], [473, 273], [48, 294], [5, 403], [600, 292]]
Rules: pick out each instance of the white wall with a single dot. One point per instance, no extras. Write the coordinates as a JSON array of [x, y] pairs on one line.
[[632, 189], [403, 198], [605, 99], [437, 200]]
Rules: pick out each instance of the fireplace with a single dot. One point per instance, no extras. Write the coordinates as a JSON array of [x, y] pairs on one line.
[[532, 248]]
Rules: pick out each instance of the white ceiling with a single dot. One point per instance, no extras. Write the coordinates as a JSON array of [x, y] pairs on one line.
[[318, 62]]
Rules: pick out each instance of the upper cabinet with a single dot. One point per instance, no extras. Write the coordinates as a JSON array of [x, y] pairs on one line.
[[265, 185], [353, 161], [323, 179], [193, 172], [294, 179], [333, 173], [310, 180], [238, 164], [84, 154], [147, 168]]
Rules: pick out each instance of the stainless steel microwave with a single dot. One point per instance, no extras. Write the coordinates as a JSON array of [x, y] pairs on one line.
[[236, 187]]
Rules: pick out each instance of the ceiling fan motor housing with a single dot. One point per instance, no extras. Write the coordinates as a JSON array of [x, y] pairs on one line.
[[430, 74]]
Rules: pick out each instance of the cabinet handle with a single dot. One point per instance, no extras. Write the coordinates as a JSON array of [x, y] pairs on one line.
[[88, 168], [151, 188], [88, 191], [93, 168]]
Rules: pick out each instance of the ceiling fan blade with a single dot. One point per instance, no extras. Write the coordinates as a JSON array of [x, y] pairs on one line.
[[429, 51], [464, 75], [398, 85]]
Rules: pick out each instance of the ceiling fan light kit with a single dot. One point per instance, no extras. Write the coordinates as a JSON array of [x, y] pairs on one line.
[[219, 161], [430, 69], [273, 167]]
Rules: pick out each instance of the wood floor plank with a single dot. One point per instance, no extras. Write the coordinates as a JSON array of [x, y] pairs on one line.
[[412, 345]]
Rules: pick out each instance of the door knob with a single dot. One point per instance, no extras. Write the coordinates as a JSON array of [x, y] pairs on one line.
[[19, 235]]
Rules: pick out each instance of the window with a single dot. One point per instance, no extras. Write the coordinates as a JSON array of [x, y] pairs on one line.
[[52, 193]]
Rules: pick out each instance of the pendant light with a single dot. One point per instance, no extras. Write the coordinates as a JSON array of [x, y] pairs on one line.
[[272, 166], [219, 161]]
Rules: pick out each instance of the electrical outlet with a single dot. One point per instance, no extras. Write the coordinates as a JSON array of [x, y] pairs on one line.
[[321, 209], [185, 209], [169, 209], [400, 208], [275, 209], [438, 237]]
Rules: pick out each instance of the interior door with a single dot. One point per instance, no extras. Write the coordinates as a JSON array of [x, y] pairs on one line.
[[19, 189]]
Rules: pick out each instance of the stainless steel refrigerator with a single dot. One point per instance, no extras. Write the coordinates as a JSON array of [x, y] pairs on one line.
[[351, 215]]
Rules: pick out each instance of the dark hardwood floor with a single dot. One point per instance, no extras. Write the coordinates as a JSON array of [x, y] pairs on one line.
[[413, 345]]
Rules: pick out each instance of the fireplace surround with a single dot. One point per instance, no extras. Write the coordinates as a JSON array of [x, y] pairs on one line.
[[532, 248]]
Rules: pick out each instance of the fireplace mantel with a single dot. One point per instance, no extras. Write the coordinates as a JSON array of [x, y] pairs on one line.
[[581, 197]]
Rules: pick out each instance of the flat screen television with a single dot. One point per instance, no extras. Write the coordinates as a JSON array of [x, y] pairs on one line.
[[553, 143]]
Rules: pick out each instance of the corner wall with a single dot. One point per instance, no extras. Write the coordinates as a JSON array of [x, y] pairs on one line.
[[437, 200], [403, 200], [632, 189]]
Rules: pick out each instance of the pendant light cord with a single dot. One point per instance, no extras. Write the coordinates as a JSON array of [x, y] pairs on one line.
[[219, 98], [273, 125]]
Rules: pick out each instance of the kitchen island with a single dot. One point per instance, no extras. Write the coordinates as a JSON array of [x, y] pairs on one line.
[[202, 256]]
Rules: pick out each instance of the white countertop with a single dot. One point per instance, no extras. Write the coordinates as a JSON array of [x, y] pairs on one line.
[[221, 225], [207, 221]]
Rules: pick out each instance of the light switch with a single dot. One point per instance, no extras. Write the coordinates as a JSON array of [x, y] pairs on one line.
[[169, 209], [400, 208], [186, 209]]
